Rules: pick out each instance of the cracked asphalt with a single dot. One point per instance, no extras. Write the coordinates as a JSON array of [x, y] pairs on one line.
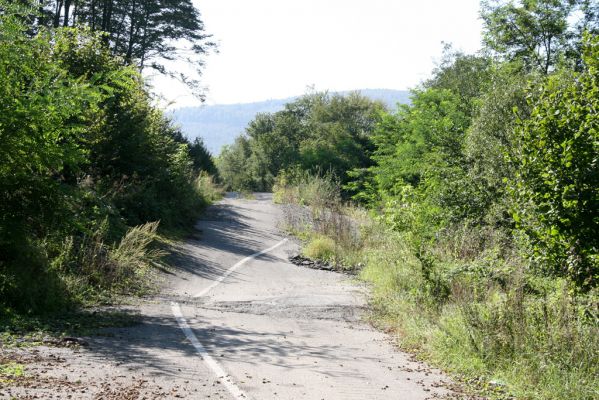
[[279, 331]]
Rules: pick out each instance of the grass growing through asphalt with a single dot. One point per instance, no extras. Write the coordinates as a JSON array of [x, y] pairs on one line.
[[320, 247], [11, 370]]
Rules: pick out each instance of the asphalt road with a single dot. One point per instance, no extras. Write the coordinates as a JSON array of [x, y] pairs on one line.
[[237, 320]]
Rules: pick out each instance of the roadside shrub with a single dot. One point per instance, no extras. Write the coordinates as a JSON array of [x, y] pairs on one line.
[[93, 270], [84, 156], [297, 186], [556, 186], [134, 258], [468, 301], [320, 248], [532, 336], [207, 188]]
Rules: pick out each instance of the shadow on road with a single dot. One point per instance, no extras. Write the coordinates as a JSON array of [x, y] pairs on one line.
[[223, 228], [157, 342]]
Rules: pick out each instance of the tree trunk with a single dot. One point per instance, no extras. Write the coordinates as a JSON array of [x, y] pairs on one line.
[[93, 15], [57, 12], [75, 12], [128, 56], [143, 40], [67, 9]]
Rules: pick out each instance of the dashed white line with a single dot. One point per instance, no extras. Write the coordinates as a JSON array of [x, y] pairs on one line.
[[234, 267], [212, 364], [227, 381]]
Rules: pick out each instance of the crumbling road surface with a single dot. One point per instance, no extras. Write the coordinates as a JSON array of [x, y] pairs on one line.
[[237, 320]]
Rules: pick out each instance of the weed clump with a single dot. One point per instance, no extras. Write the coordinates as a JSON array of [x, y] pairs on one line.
[[320, 248]]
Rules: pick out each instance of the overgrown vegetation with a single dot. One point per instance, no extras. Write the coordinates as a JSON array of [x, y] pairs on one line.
[[88, 167], [476, 215]]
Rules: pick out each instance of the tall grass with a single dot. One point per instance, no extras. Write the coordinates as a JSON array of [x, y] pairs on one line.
[[94, 270], [301, 187], [207, 188], [465, 301], [531, 336], [313, 209]]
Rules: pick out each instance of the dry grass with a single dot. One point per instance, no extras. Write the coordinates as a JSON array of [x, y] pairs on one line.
[[93, 269]]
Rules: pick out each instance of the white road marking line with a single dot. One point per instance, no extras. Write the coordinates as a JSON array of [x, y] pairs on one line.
[[237, 265], [235, 391], [212, 364]]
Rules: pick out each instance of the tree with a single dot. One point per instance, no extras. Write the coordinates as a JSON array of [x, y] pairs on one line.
[[201, 157], [532, 31], [556, 186], [146, 33], [44, 112], [467, 76], [318, 132], [233, 165], [419, 151]]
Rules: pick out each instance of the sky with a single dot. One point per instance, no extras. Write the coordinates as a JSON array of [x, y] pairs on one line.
[[271, 49]]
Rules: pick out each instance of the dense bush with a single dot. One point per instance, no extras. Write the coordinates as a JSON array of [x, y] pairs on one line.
[[556, 186], [84, 156], [317, 132]]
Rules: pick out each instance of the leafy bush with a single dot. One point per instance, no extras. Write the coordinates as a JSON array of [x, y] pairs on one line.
[[84, 156], [296, 186], [320, 248], [557, 180]]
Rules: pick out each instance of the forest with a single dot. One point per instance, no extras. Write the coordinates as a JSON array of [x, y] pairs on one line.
[[477, 204], [89, 166]]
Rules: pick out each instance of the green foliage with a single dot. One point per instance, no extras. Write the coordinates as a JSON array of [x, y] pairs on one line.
[[318, 132], [488, 322], [233, 168], [147, 34], [320, 248], [419, 171], [534, 31], [296, 186], [468, 304], [483, 191], [83, 156], [489, 139], [557, 180], [466, 76], [207, 187], [201, 157]]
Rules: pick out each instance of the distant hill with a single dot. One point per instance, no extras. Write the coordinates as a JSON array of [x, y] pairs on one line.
[[221, 124]]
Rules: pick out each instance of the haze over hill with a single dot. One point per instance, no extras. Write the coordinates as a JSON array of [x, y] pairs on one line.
[[218, 125]]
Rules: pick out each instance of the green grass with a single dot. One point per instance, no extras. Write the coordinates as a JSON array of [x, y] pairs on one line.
[[469, 305], [519, 340], [11, 370], [320, 248]]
